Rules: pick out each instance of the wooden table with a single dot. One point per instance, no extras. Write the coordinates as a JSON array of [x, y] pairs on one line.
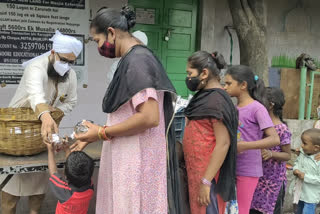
[[11, 165]]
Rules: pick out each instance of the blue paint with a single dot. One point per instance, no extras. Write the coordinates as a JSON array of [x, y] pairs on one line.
[[274, 77]]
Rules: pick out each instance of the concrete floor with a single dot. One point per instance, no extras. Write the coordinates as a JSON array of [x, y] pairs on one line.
[[50, 202]]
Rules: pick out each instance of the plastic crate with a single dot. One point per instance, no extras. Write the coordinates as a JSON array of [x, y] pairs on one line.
[[179, 123]]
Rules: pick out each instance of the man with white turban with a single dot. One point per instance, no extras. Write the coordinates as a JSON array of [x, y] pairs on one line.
[[48, 83]]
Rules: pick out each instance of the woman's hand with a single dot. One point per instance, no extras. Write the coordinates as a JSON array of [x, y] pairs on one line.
[[78, 145], [91, 135], [266, 154], [204, 195]]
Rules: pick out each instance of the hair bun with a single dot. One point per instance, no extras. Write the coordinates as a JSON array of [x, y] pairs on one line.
[[219, 60], [130, 16]]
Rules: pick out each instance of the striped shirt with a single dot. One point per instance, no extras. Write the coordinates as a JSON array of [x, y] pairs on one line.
[[71, 199]]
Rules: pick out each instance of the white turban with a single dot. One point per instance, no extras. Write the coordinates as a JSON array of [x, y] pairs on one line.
[[141, 36], [66, 44], [61, 44]]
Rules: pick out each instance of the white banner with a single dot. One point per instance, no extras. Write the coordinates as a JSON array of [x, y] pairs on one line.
[[27, 25]]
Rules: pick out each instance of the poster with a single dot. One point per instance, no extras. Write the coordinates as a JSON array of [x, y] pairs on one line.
[[145, 16], [27, 25]]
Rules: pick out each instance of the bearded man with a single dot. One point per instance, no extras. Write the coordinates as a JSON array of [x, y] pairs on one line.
[[48, 84]]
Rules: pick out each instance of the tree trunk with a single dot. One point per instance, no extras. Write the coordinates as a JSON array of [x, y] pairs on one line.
[[249, 21]]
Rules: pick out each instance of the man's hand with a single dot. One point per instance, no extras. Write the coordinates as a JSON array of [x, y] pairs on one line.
[[48, 127]]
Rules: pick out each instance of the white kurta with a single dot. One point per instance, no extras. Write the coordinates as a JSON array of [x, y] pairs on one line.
[[35, 88]]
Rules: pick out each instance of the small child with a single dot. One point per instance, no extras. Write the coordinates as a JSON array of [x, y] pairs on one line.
[[307, 170], [75, 192]]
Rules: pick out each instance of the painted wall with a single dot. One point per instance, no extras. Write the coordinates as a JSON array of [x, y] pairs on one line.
[[292, 28]]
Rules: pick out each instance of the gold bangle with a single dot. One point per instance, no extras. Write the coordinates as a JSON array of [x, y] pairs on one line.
[[99, 134], [105, 135]]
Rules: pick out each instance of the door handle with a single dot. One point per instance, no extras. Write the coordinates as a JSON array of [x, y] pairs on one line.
[[168, 34]]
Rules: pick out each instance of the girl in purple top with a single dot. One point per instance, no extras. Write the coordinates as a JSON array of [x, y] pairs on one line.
[[256, 130], [267, 198]]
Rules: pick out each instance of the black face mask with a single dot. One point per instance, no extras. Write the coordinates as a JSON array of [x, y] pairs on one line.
[[192, 83]]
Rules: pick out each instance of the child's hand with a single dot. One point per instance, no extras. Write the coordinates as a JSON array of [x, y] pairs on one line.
[[241, 146], [297, 151], [50, 146], [66, 147], [299, 174], [317, 157], [266, 154]]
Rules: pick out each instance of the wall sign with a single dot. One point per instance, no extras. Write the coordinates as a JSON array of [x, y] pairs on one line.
[[27, 25]]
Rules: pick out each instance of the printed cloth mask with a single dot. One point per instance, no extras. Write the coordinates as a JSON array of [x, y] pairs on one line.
[[107, 50]]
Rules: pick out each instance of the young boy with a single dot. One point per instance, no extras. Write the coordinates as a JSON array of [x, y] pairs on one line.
[[307, 169], [75, 192]]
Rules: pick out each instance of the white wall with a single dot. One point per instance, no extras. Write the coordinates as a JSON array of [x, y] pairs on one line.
[[89, 99]]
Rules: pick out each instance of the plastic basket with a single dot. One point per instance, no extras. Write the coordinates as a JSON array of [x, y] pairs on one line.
[[179, 124], [20, 131]]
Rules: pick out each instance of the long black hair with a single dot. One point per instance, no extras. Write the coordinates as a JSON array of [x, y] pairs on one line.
[[125, 19], [276, 98], [213, 62], [256, 87]]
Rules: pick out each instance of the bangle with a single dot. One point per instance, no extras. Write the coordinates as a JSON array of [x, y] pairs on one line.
[[270, 153], [205, 182], [104, 134], [99, 133]]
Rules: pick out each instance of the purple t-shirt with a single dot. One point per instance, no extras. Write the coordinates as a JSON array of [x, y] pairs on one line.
[[253, 119]]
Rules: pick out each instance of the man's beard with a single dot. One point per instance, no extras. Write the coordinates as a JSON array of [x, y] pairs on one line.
[[54, 75]]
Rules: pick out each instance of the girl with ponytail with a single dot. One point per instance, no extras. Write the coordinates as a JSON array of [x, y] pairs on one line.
[[255, 130], [210, 139], [274, 161]]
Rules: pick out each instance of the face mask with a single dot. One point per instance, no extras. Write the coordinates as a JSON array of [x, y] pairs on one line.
[[107, 50], [61, 68], [192, 83]]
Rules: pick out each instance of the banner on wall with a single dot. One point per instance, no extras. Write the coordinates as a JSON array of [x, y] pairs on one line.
[[27, 25]]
